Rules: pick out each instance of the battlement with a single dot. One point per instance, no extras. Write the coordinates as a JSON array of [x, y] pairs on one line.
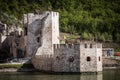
[[77, 46], [55, 14], [44, 56], [91, 45], [58, 46]]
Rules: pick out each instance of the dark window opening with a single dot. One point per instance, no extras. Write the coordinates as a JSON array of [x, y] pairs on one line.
[[85, 45], [90, 45], [47, 14], [17, 44], [57, 58], [71, 59], [20, 53], [26, 30], [99, 58], [38, 39], [88, 59]]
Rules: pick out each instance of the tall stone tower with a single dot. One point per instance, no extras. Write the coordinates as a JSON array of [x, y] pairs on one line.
[[42, 31]]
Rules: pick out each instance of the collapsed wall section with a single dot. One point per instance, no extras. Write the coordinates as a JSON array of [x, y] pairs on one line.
[[41, 31], [49, 36]]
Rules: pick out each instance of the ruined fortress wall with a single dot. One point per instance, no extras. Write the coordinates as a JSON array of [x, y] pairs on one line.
[[43, 62], [52, 56], [49, 36], [66, 58], [32, 21], [46, 39], [71, 58], [89, 57], [45, 27]]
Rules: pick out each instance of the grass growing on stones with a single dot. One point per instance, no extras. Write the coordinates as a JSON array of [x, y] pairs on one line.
[[17, 66]]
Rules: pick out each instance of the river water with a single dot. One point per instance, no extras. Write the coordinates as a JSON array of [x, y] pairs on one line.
[[113, 74]]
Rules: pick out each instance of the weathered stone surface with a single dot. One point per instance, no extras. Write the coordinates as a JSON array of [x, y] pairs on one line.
[[49, 55], [94, 53], [66, 58], [44, 26], [71, 58]]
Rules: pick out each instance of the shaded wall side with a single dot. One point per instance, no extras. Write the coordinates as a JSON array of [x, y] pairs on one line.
[[47, 45], [66, 58], [99, 57], [46, 48]]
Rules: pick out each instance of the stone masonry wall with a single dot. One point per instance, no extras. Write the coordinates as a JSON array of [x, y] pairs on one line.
[[50, 35], [89, 57], [43, 62], [71, 58], [66, 58], [44, 27], [52, 56]]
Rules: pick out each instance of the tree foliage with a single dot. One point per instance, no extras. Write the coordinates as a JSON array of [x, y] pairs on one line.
[[99, 19]]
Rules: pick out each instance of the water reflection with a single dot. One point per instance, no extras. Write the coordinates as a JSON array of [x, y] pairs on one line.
[[39, 76], [106, 75], [111, 74], [91, 77]]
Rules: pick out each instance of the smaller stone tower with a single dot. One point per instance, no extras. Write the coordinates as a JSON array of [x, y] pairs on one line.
[[90, 57]]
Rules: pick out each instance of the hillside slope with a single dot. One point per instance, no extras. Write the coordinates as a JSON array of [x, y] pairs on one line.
[[98, 19]]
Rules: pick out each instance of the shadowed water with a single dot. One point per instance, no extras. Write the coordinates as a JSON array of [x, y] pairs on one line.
[[107, 75]]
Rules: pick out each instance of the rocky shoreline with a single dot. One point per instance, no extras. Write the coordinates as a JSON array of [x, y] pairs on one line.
[[111, 63], [108, 63]]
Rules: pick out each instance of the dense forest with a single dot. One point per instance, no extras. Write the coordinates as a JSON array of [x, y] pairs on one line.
[[91, 19]]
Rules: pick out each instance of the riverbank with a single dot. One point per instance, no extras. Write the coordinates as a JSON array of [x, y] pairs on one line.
[[108, 63], [111, 63], [17, 70], [16, 67]]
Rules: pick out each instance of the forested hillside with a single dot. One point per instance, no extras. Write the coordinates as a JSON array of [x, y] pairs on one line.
[[98, 19]]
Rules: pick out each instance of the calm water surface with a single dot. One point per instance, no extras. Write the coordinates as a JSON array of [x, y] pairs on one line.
[[106, 75]]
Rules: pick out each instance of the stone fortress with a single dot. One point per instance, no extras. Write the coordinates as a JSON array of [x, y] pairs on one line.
[[39, 40], [42, 43]]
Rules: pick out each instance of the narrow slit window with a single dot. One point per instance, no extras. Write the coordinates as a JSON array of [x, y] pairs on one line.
[[17, 44], [26, 30], [85, 45], [99, 58], [38, 39], [90, 45]]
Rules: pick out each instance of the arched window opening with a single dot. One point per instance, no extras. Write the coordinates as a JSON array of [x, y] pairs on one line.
[[85, 45], [88, 58]]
